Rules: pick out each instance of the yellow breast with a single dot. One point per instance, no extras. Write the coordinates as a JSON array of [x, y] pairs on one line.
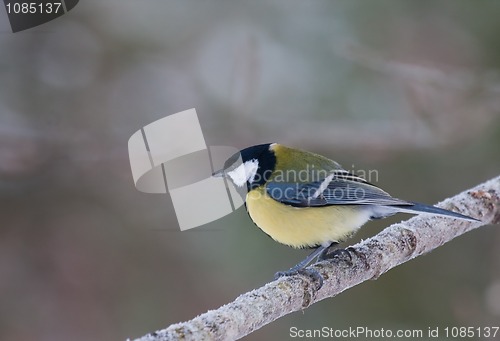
[[303, 226]]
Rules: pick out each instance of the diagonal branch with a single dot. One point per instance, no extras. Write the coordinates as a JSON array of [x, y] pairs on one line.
[[371, 258]]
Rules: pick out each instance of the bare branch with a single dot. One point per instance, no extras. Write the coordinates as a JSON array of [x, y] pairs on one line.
[[370, 258]]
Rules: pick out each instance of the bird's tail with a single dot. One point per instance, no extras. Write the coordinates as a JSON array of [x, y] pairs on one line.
[[415, 208]]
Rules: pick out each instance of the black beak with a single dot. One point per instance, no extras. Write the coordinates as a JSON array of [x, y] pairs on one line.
[[219, 174]]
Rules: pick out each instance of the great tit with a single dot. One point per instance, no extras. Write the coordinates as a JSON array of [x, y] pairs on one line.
[[306, 200]]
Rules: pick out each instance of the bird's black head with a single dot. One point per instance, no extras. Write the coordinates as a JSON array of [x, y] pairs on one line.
[[253, 166]]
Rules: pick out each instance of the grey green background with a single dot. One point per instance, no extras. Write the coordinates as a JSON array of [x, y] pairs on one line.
[[409, 88]]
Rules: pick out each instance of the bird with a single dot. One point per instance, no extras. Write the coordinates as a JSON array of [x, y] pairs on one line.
[[305, 200]]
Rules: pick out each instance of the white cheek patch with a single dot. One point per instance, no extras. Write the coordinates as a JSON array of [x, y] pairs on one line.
[[251, 168], [244, 172]]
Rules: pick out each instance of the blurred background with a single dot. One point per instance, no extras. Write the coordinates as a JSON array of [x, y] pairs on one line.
[[409, 89]]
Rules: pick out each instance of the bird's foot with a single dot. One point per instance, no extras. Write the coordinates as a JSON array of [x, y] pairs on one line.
[[341, 254], [311, 273]]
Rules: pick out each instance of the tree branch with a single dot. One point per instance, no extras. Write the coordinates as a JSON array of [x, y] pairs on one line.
[[371, 258]]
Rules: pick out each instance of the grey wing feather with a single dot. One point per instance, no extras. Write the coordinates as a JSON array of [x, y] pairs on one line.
[[340, 188], [343, 188]]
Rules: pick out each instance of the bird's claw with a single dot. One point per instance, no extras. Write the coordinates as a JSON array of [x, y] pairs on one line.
[[311, 273], [342, 254]]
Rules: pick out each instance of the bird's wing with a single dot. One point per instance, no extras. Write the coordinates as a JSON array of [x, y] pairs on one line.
[[339, 188]]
